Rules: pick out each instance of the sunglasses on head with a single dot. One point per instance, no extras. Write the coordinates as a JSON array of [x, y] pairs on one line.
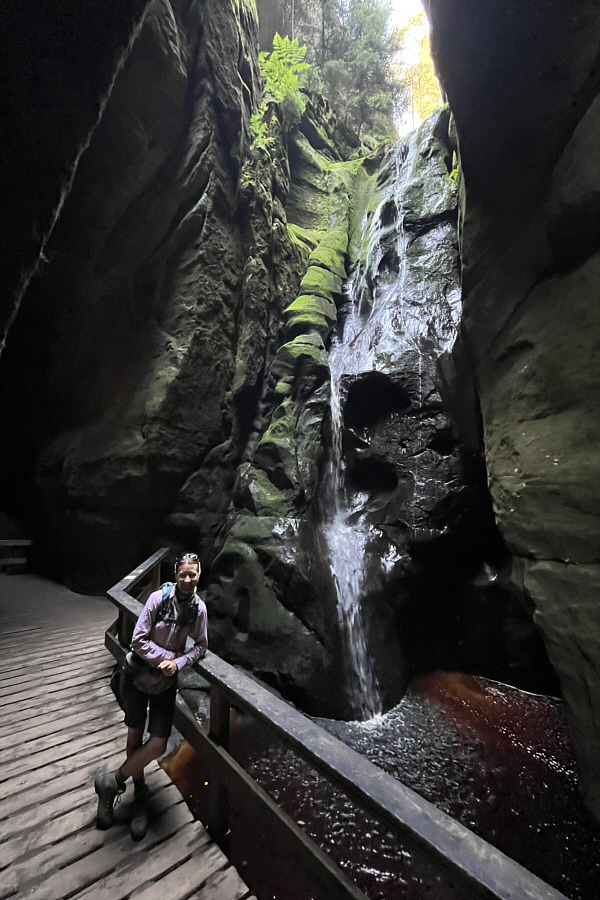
[[187, 557]]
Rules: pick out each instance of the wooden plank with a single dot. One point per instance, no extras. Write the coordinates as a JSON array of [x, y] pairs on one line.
[[47, 849], [61, 674], [178, 884], [34, 655], [55, 779], [84, 707], [24, 796], [59, 678], [76, 862], [121, 860], [225, 885], [57, 713], [14, 747], [65, 750], [24, 697]]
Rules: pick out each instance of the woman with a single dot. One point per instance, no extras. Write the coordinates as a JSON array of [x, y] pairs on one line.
[[158, 642]]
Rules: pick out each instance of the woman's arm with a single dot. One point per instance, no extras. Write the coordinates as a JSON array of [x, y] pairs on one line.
[[200, 637], [141, 643]]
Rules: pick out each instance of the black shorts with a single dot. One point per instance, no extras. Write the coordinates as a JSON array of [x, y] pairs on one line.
[[162, 707]]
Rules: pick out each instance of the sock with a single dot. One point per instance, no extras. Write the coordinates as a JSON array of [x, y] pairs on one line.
[[120, 778]]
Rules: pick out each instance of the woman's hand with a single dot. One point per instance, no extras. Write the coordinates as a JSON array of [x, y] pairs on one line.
[[168, 666]]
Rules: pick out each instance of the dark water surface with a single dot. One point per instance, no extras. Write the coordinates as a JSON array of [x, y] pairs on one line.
[[495, 758]]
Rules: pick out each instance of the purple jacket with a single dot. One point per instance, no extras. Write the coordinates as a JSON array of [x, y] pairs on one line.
[[164, 640]]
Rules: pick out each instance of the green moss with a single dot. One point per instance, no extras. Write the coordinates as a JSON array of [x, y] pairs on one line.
[[303, 237], [327, 258], [304, 355], [308, 313], [335, 239], [266, 499], [322, 282], [365, 200]]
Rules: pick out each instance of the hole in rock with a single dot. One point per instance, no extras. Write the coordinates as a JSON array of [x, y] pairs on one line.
[[388, 214], [443, 443], [372, 475], [390, 262], [371, 398]]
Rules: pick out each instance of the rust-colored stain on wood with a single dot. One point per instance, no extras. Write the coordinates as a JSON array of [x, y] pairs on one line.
[[59, 723]]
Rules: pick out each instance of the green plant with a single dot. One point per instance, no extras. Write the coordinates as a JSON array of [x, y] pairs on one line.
[[280, 68], [260, 130]]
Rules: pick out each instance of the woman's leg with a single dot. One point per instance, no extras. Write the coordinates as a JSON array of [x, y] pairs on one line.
[[139, 758], [135, 739]]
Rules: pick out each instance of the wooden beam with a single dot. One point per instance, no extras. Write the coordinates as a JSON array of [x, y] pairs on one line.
[[326, 880]]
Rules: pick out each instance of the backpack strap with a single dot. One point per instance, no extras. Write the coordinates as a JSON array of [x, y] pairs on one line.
[[165, 601], [161, 612]]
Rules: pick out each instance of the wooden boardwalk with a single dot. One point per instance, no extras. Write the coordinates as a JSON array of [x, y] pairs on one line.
[[59, 723]]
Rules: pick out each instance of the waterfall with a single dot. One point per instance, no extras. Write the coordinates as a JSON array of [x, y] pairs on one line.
[[401, 311], [346, 542]]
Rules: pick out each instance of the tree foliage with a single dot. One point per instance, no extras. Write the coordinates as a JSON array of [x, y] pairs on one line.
[[356, 61], [416, 71]]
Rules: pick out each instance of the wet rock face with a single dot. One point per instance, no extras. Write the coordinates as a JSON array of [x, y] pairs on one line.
[[141, 295], [530, 247]]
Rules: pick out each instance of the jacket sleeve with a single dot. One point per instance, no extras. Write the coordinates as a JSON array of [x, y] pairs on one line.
[[200, 637], [141, 643]]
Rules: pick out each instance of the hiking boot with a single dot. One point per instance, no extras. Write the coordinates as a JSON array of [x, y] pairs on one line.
[[109, 791], [140, 812]]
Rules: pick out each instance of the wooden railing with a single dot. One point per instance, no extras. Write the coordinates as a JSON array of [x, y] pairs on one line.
[[9, 549], [461, 858]]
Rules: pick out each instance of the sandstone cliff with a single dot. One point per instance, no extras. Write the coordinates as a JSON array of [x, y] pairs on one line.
[[523, 86]]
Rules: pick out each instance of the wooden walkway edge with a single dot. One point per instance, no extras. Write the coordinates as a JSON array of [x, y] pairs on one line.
[[59, 723]]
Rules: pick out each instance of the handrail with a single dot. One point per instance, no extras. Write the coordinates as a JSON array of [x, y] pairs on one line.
[[479, 865]]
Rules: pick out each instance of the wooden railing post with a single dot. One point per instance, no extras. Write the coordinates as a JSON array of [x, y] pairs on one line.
[[218, 795]]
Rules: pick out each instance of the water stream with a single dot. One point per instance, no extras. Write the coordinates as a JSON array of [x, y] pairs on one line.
[[353, 353], [346, 541]]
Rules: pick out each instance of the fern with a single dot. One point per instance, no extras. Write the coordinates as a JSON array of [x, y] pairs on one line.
[[281, 67], [280, 70]]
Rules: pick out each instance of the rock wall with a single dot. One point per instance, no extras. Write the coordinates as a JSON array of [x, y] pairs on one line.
[[136, 313], [60, 64], [523, 84]]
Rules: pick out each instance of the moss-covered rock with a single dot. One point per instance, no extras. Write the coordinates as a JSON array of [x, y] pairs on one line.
[[304, 359], [322, 282], [310, 313]]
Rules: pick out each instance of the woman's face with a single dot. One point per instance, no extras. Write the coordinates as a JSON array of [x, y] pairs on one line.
[[186, 577]]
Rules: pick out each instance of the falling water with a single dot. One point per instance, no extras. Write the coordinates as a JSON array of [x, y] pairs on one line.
[[346, 534], [346, 542], [396, 322]]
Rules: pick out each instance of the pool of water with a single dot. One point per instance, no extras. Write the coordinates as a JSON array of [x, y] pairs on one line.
[[493, 757]]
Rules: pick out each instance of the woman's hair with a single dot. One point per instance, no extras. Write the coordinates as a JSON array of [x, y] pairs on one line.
[[187, 557]]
